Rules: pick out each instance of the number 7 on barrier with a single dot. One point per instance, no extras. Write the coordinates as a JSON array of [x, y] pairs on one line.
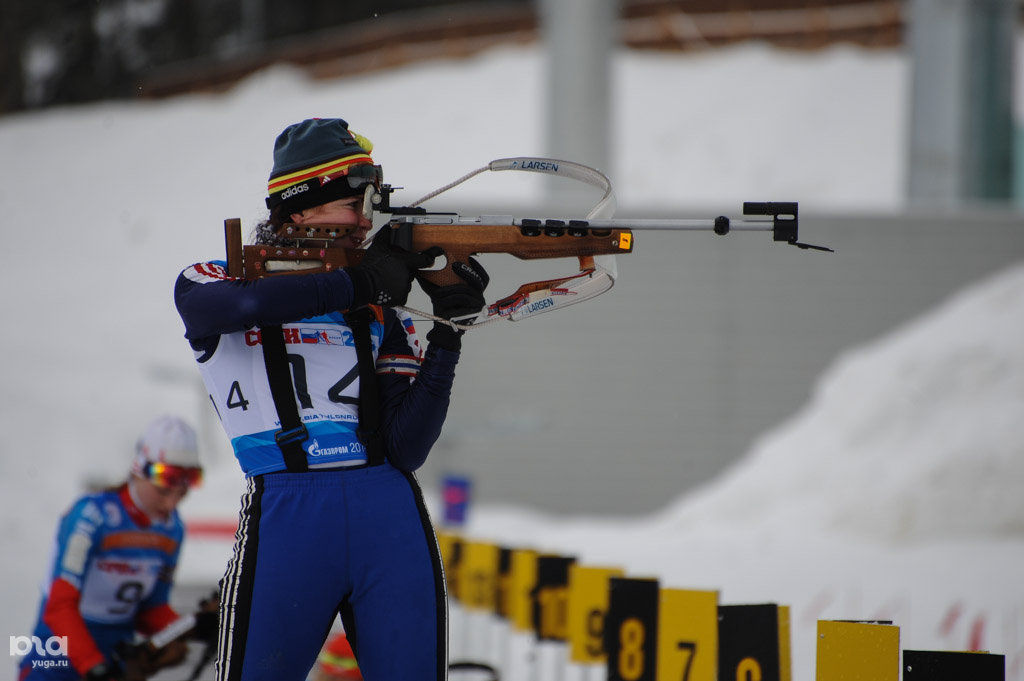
[[691, 652], [687, 635]]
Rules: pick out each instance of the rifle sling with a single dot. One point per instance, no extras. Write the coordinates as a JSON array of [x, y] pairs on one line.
[[293, 432], [369, 392]]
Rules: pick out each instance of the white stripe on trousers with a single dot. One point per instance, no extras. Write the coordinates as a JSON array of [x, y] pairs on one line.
[[230, 586]]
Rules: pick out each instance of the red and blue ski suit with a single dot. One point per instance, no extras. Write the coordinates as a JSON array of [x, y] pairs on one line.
[[111, 576]]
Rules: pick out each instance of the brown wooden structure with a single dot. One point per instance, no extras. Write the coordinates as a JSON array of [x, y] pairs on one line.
[[446, 33]]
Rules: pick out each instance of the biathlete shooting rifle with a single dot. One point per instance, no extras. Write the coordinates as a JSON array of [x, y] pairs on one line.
[[594, 240]]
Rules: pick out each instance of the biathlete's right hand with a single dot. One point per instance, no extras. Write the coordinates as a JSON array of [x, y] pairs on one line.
[[384, 277]]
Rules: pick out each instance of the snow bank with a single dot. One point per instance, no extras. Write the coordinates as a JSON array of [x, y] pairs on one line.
[[918, 436]]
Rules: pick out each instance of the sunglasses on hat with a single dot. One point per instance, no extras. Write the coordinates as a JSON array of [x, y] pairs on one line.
[[358, 176], [168, 475]]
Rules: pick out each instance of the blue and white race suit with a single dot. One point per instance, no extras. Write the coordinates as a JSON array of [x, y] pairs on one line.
[[343, 536]]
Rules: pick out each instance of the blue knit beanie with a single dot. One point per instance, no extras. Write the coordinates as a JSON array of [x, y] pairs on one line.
[[309, 157]]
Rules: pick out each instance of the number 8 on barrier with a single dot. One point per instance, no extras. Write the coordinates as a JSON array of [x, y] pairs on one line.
[[630, 629]]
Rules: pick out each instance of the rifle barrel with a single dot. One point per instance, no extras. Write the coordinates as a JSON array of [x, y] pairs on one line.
[[780, 218], [672, 224], [667, 224]]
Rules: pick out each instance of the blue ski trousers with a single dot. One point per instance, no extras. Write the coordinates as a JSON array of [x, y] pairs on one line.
[[315, 544]]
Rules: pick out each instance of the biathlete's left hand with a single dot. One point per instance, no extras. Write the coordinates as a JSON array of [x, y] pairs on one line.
[[460, 303]]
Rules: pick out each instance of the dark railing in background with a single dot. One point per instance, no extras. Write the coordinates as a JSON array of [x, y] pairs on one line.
[[56, 52], [446, 32]]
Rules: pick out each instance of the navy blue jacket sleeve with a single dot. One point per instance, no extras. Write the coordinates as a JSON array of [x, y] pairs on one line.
[[413, 411], [413, 414], [211, 303]]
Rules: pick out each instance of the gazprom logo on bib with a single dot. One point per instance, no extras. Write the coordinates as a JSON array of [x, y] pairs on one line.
[[314, 449]]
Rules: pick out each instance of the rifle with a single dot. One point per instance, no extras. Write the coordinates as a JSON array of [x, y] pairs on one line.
[[593, 240], [142, 659]]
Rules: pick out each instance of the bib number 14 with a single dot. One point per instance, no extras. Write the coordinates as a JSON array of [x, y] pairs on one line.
[[236, 398]]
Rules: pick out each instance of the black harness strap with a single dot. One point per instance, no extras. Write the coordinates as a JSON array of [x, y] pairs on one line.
[[369, 393], [293, 433]]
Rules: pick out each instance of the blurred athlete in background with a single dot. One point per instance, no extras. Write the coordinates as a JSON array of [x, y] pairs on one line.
[[113, 568]]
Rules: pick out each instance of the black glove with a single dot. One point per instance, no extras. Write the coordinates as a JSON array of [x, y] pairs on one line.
[[384, 277], [458, 302], [206, 626], [104, 671]]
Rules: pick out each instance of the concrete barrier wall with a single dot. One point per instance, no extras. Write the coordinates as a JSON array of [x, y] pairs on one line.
[[620, 404]]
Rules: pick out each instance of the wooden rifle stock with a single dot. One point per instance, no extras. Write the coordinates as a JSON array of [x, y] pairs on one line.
[[314, 250]]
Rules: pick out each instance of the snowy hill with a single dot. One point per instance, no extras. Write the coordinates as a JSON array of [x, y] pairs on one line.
[[914, 438]]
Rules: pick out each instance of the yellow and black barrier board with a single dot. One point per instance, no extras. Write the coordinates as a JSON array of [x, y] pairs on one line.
[[631, 629], [753, 643], [478, 576], [687, 635], [551, 598], [785, 649], [503, 595], [588, 605], [857, 651], [934, 665], [520, 583], [450, 546]]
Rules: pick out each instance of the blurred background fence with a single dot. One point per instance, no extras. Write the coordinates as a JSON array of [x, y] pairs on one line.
[[55, 51]]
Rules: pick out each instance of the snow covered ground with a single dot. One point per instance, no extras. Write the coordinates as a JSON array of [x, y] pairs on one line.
[[895, 493]]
